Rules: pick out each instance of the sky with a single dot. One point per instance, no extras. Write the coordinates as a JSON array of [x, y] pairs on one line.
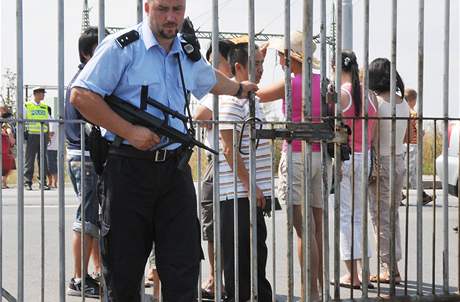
[[40, 37]]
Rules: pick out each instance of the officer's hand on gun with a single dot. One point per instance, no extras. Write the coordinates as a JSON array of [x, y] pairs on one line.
[[142, 138]]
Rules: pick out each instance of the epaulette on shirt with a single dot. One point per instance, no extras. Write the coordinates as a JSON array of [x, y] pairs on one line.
[[127, 38]]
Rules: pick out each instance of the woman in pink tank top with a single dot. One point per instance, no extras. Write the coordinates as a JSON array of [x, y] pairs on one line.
[[277, 91], [351, 101]]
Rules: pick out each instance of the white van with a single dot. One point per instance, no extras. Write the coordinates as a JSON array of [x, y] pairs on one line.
[[452, 155]]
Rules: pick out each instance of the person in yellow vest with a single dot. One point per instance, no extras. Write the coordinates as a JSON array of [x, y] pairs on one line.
[[35, 110]]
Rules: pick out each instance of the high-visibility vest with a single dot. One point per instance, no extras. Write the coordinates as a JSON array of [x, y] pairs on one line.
[[36, 112]]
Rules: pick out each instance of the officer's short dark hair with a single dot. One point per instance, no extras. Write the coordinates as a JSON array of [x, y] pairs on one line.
[[87, 42], [224, 48], [238, 54]]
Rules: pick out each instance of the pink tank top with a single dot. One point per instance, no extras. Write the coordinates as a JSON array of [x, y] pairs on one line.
[[297, 108], [349, 111]]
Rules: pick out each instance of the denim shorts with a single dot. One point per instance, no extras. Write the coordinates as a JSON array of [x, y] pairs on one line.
[[91, 204]]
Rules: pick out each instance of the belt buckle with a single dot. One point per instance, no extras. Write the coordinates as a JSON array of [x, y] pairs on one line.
[[160, 155]]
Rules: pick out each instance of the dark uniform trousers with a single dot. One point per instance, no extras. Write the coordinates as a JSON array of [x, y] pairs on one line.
[[264, 287], [145, 201], [32, 154]]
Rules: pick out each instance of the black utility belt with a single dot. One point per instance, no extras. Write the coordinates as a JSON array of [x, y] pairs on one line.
[[161, 155]]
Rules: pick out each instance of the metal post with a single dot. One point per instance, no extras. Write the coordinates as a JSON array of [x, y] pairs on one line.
[[101, 25], [338, 164], [20, 144], [42, 212], [433, 255], [215, 159], [61, 141], [1, 223], [140, 10], [288, 110], [324, 160], [199, 195], [347, 42], [307, 110], [273, 213], [393, 208], [252, 155], [235, 215], [365, 148], [419, 218], [83, 201], [445, 146]]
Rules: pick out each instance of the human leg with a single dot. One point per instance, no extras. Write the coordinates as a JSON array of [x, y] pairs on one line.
[[177, 235], [127, 227], [32, 147]]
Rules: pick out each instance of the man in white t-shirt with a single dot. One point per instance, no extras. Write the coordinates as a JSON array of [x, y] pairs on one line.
[[234, 110]]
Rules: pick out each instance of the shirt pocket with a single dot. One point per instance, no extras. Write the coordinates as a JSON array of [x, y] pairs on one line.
[[152, 81]]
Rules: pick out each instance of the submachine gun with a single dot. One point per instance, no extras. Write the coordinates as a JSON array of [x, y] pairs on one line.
[[160, 126]]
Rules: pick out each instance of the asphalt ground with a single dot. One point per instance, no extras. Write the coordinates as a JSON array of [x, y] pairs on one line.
[[32, 242]]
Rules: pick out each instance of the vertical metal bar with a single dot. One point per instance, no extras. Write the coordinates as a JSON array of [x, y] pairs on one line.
[[365, 150], [324, 159], [379, 207], [273, 200], [1, 222], [236, 216], [288, 110], [252, 154], [458, 219], [419, 219], [307, 110], [445, 146], [353, 261], [337, 156], [394, 8], [406, 244], [83, 201], [433, 256], [216, 197], [199, 196], [140, 13], [42, 213], [20, 143], [101, 21], [61, 141]]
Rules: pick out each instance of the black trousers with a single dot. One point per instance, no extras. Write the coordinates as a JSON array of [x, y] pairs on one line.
[[142, 202], [264, 287], [32, 154]]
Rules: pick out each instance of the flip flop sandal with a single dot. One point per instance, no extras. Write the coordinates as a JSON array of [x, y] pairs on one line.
[[347, 285], [375, 279], [205, 294]]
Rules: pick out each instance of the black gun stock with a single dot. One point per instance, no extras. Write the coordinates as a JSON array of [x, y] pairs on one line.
[[139, 117]]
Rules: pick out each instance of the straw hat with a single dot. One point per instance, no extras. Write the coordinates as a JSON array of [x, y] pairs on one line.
[[240, 40], [296, 47]]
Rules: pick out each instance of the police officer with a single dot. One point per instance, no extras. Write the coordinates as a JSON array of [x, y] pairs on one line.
[[37, 111], [145, 197]]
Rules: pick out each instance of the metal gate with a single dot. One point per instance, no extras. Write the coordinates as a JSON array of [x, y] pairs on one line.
[[285, 283]]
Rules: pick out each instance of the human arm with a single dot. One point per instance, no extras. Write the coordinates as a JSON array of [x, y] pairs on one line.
[[272, 92], [95, 109], [226, 86], [243, 175], [203, 113]]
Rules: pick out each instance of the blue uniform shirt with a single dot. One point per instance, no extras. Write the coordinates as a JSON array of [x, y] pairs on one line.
[[122, 72]]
